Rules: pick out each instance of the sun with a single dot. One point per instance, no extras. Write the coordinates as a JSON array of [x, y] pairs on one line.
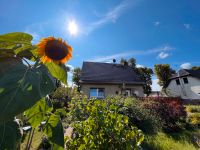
[[73, 28]]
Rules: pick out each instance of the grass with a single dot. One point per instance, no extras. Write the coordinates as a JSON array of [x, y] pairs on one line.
[[175, 141]]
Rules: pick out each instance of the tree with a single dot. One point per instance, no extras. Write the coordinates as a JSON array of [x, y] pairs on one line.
[[76, 77], [123, 62], [145, 75], [163, 73], [196, 68], [132, 63]]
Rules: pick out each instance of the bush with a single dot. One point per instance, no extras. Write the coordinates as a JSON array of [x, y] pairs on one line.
[[170, 110], [61, 96], [143, 118], [193, 108], [103, 128], [194, 119]]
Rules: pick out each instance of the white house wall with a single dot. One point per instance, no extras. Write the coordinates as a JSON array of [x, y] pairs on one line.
[[185, 91]]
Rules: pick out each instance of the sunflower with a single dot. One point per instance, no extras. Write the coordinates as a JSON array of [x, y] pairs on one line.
[[54, 50]]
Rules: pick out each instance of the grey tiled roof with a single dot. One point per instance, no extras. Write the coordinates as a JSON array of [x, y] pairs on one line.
[[183, 73], [95, 72], [187, 72]]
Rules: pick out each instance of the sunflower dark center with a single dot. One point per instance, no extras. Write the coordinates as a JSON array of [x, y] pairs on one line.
[[56, 50]]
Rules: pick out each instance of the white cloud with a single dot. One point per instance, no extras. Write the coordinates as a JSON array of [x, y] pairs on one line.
[[69, 78], [162, 55], [156, 23], [70, 67], [186, 66], [155, 86], [187, 26], [111, 57], [132, 53], [70, 75], [111, 16], [139, 66], [36, 30]]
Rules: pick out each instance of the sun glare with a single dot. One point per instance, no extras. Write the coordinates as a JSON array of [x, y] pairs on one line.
[[72, 28]]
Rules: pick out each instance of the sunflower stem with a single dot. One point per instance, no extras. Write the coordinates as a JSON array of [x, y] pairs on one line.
[[36, 63], [26, 62]]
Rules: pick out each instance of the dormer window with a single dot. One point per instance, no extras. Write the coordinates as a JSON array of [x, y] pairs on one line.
[[177, 81], [185, 80]]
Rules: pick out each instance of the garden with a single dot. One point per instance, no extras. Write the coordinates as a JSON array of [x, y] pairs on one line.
[[38, 113]]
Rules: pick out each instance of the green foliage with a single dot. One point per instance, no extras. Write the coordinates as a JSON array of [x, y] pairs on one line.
[[124, 62], [163, 73], [23, 87], [193, 116], [145, 119], [62, 93], [132, 63], [77, 109], [196, 68], [61, 96], [76, 76], [145, 75], [104, 128], [10, 135], [170, 110], [57, 71], [16, 43], [193, 108], [177, 141], [37, 113], [194, 119], [54, 131], [16, 38]]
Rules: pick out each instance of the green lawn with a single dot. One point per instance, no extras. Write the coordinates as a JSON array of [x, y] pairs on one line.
[[176, 141]]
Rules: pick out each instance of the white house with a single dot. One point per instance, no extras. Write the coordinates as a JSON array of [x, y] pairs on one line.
[[185, 84]]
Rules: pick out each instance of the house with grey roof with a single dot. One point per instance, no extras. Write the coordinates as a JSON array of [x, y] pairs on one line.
[[100, 80], [185, 84]]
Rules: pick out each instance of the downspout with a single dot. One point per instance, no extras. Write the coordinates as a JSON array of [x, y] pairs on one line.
[[182, 85]]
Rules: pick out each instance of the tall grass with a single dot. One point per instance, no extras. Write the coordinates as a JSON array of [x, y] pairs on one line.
[[162, 141]]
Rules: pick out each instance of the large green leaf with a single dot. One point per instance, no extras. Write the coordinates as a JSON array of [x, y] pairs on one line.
[[16, 43], [25, 51], [37, 113], [54, 131], [16, 37], [10, 135], [21, 87], [57, 71]]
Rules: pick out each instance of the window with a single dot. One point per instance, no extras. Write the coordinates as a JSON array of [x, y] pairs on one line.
[[97, 92], [185, 80], [178, 82]]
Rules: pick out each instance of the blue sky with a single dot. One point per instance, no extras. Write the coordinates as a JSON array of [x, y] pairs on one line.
[[152, 31]]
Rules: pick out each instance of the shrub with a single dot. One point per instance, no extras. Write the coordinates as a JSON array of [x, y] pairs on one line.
[[170, 110], [143, 118], [194, 119], [104, 128], [61, 96], [193, 108]]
